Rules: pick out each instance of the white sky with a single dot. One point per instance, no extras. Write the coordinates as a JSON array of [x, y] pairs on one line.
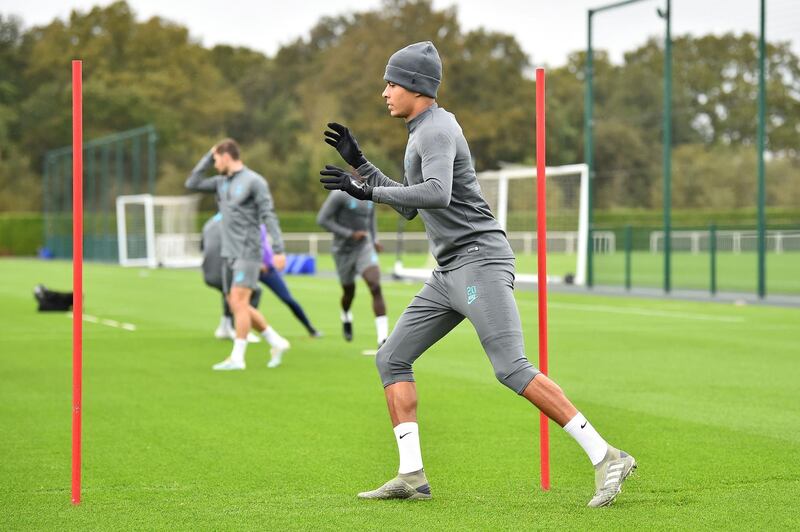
[[547, 29]]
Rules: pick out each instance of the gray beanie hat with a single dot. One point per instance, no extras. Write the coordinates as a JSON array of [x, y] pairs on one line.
[[416, 67]]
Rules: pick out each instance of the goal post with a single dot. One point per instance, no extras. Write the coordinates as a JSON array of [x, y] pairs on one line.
[[155, 231], [508, 192]]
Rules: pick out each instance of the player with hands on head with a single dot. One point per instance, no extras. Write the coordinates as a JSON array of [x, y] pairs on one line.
[[245, 203]]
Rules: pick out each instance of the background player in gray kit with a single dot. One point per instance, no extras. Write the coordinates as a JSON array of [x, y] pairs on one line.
[[245, 202], [355, 248], [211, 246], [474, 278]]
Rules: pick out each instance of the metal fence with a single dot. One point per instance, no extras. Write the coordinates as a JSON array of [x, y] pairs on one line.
[[122, 163], [713, 259], [523, 242]]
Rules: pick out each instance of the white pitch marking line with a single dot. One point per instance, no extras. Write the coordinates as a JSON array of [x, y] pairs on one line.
[[105, 321], [646, 312]]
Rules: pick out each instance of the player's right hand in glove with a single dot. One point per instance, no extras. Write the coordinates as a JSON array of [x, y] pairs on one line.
[[334, 178], [345, 143]]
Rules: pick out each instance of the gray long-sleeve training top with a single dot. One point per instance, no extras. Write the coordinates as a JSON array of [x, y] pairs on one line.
[[342, 215], [245, 203], [440, 183]]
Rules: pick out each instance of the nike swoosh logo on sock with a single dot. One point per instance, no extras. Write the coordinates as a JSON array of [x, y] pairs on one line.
[[404, 435], [584, 424]]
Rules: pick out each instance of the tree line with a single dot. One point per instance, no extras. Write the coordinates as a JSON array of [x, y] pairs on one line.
[[154, 71]]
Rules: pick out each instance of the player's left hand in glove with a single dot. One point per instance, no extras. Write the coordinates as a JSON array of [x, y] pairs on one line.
[[335, 178], [345, 143]]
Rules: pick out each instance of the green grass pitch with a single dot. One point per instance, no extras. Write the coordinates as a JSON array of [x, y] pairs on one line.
[[706, 396]]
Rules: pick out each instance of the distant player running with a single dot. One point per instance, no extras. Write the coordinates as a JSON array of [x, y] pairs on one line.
[[474, 278], [355, 245], [245, 203]]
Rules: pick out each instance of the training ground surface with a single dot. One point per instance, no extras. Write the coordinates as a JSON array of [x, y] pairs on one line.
[[706, 396]]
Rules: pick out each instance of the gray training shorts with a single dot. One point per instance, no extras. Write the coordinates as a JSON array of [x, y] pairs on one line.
[[353, 261], [240, 272], [482, 292]]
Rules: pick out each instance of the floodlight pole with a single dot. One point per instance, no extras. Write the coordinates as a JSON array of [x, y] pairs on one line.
[[667, 163], [152, 137], [760, 142], [588, 135], [588, 146]]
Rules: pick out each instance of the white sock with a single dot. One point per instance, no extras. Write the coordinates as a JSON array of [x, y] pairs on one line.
[[272, 337], [407, 436], [347, 317], [587, 437], [382, 326], [228, 323], [237, 353]]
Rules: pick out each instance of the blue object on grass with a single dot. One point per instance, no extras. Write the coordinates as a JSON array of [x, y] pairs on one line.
[[300, 265], [45, 253]]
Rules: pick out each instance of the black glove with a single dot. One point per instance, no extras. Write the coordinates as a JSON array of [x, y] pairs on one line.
[[338, 179], [345, 143]]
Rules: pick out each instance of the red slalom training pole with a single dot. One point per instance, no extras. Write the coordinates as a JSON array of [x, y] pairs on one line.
[[77, 274], [541, 252]]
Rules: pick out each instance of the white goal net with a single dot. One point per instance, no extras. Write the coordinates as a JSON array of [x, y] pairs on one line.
[[511, 194], [157, 231]]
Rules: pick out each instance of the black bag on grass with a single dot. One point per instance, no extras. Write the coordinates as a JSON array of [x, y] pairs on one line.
[[52, 300]]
